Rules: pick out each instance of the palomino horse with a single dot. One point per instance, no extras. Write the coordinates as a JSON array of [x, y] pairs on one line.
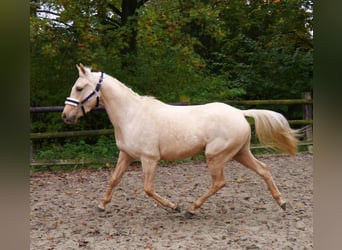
[[149, 130]]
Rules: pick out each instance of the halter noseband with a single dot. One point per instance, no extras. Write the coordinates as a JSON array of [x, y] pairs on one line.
[[75, 102]]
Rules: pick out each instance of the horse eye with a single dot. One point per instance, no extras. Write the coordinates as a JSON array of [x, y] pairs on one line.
[[79, 89]]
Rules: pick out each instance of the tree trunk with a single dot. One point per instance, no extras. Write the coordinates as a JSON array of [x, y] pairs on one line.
[[129, 20]]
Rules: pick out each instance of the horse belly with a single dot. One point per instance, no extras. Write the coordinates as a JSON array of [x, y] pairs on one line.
[[179, 147]]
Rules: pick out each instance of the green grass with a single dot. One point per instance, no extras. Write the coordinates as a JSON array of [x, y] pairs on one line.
[[104, 148]]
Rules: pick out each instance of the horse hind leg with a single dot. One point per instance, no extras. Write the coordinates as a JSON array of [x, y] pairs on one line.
[[218, 153], [246, 158], [216, 169]]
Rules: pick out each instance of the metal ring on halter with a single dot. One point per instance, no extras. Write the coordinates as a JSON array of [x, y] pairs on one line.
[[75, 102]]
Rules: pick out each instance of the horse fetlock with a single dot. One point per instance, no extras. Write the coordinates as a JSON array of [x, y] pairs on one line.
[[103, 203], [193, 208], [177, 208]]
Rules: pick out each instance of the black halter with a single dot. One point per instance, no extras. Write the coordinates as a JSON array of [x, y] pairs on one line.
[[75, 102]]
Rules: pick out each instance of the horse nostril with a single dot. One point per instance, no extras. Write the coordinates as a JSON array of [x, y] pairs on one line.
[[69, 119]]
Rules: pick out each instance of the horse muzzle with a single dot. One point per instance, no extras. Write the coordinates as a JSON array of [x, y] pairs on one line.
[[69, 119]]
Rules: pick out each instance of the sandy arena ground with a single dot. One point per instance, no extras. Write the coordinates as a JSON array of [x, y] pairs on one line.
[[242, 215]]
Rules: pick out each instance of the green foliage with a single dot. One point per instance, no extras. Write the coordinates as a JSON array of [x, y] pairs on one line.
[[195, 51], [267, 49], [181, 47], [104, 148]]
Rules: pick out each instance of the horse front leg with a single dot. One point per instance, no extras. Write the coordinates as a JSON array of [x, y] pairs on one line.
[[121, 167], [149, 169]]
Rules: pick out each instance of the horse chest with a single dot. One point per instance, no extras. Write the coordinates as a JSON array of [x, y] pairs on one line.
[[137, 143]]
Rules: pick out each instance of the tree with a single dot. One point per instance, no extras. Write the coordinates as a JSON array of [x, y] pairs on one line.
[[194, 50], [65, 32], [268, 48]]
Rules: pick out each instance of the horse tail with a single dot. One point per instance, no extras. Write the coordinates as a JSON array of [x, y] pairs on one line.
[[272, 129]]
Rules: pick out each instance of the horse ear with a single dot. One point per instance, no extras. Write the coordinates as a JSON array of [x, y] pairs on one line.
[[81, 69]]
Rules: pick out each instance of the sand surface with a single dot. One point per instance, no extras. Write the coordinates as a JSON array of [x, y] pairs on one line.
[[242, 215]]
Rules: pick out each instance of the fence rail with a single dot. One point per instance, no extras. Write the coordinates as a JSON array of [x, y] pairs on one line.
[[50, 135], [242, 102], [48, 109], [307, 120]]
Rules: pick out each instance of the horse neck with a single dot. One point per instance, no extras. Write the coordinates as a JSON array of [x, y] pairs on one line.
[[119, 101]]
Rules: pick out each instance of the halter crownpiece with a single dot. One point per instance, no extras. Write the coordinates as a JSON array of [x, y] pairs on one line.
[[75, 102]]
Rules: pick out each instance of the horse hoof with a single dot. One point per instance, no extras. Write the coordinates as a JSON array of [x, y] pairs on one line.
[[283, 206], [189, 215], [99, 209], [177, 209]]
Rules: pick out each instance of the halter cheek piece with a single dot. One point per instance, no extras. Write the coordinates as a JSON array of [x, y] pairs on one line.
[[75, 102]]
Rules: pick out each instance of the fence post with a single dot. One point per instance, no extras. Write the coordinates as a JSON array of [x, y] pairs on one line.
[[307, 115], [31, 143]]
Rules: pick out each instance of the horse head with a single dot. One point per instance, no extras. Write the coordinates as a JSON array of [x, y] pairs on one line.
[[84, 95]]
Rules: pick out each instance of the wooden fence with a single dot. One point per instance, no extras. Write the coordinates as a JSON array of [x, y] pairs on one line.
[[306, 122]]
